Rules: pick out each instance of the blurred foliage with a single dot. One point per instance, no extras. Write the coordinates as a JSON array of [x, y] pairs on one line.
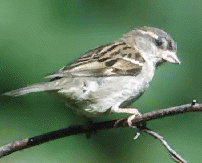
[[40, 36]]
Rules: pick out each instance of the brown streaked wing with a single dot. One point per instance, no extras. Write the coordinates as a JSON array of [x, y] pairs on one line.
[[86, 57], [106, 60]]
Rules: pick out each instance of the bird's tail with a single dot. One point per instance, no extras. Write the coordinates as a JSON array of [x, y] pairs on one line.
[[38, 87]]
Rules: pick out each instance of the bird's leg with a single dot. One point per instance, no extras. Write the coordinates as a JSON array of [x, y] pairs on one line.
[[134, 114]]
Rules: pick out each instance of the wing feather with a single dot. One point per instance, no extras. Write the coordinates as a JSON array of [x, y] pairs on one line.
[[113, 59]]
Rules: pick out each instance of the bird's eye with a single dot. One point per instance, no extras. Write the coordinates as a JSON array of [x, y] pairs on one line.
[[170, 45]]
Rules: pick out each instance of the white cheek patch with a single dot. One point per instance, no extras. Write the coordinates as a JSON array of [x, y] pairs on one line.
[[133, 61]]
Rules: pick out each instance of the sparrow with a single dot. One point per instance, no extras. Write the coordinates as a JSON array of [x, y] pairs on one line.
[[108, 78]]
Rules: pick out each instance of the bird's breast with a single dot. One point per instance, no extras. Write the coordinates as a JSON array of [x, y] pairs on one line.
[[94, 96]]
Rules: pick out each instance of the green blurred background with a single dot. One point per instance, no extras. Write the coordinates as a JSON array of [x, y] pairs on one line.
[[40, 36]]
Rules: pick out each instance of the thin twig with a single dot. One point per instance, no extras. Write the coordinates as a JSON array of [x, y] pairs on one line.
[[78, 129], [176, 157], [169, 111]]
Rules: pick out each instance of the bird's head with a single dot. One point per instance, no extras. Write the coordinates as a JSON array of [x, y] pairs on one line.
[[154, 44]]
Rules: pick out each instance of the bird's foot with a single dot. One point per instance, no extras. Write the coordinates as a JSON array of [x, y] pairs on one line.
[[135, 114]]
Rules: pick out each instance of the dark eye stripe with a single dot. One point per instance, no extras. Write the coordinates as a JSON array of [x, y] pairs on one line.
[[158, 42]]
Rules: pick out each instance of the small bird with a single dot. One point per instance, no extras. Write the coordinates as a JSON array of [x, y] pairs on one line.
[[107, 79]]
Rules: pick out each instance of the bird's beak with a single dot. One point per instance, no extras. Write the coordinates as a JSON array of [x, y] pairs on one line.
[[170, 57]]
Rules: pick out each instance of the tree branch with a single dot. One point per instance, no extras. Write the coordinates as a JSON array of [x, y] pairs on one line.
[[176, 157], [78, 129]]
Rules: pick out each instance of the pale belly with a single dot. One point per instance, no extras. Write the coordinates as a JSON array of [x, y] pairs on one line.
[[95, 96]]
